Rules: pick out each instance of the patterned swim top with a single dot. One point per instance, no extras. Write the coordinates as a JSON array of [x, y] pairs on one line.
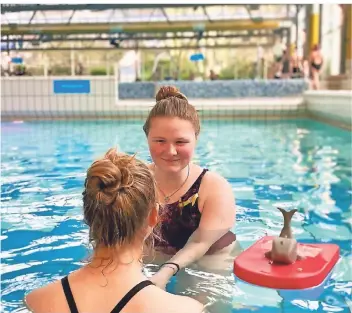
[[180, 219]]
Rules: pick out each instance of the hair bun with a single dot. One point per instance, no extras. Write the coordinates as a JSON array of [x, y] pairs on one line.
[[108, 176], [168, 92]]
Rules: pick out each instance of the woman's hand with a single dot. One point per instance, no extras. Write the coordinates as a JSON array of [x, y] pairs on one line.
[[162, 277], [218, 217]]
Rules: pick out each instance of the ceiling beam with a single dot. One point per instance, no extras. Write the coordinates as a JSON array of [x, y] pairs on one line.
[[32, 17], [162, 27], [165, 14], [64, 7], [187, 47], [206, 13], [136, 37], [71, 16]]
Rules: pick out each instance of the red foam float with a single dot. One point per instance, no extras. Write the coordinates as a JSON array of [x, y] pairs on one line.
[[253, 267]]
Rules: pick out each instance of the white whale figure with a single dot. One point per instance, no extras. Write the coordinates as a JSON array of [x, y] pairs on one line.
[[284, 248]]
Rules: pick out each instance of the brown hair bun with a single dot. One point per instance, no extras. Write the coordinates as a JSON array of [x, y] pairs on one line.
[[168, 92]]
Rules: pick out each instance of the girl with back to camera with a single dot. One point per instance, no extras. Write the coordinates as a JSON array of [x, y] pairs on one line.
[[121, 210], [197, 206]]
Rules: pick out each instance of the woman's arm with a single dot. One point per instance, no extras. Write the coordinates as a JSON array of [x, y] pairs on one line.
[[218, 217]]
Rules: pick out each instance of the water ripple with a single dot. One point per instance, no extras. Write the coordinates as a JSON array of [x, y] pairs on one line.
[[291, 164]]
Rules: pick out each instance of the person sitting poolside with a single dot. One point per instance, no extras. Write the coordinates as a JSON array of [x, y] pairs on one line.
[[197, 206], [121, 210]]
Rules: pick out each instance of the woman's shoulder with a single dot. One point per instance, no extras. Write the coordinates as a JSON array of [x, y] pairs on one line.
[[168, 302], [187, 304], [212, 185], [53, 295], [213, 179], [190, 304]]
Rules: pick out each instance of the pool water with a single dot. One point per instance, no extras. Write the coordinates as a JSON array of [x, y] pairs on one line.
[[293, 164]]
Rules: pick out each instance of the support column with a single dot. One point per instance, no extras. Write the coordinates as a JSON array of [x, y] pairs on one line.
[[307, 22], [72, 59], [320, 23], [314, 25], [289, 42], [348, 41], [46, 64], [297, 24], [300, 30], [343, 44]]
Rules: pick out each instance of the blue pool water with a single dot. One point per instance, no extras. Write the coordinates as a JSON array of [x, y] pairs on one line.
[[301, 163]]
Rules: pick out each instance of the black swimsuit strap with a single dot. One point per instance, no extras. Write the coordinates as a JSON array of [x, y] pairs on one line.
[[72, 304], [69, 296], [199, 179], [130, 294]]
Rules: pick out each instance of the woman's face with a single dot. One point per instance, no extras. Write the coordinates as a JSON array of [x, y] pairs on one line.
[[171, 143]]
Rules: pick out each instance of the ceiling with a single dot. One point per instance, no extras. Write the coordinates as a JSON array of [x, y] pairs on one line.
[[33, 26]]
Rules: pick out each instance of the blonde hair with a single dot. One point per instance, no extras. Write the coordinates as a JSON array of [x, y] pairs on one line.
[[171, 102], [119, 194]]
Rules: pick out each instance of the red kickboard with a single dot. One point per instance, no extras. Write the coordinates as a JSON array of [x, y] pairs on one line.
[[253, 267]]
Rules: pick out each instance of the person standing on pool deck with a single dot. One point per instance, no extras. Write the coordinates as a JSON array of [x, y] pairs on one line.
[[197, 209], [121, 210], [316, 62]]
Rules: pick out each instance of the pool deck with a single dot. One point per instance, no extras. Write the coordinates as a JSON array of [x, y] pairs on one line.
[[334, 112], [224, 108], [212, 108], [288, 103]]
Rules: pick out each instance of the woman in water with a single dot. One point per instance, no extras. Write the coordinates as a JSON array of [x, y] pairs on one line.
[[197, 205], [121, 210]]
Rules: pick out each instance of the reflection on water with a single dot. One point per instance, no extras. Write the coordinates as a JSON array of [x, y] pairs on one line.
[[300, 164]]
